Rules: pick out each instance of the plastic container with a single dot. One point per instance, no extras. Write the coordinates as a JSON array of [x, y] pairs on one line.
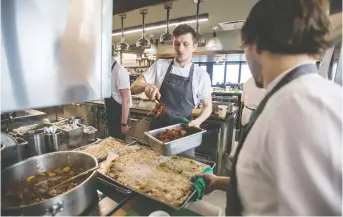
[[222, 110]]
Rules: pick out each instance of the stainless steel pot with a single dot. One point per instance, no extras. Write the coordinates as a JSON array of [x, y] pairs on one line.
[[36, 142], [71, 203], [53, 141], [14, 149]]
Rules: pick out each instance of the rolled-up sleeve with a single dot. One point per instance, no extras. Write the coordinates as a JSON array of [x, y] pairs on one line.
[[151, 74], [205, 89]]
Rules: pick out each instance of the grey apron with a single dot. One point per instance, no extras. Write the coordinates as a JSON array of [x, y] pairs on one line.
[[233, 203], [177, 94]]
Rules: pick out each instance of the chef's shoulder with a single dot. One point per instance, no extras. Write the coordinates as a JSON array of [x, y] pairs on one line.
[[201, 74]]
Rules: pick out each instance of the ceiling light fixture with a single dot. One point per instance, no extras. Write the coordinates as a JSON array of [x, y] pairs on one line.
[[143, 43], [162, 24], [122, 46], [153, 49], [214, 43], [200, 38], [167, 37]]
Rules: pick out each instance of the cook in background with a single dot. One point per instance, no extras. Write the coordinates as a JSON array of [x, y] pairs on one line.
[[289, 160], [252, 96], [179, 83], [118, 105]]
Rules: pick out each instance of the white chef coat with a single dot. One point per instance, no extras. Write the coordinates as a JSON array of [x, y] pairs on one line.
[[252, 96], [120, 79], [201, 83], [291, 161]]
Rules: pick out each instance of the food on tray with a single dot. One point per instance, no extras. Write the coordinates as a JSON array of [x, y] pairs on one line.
[[166, 179], [159, 110], [102, 149], [171, 134], [33, 189]]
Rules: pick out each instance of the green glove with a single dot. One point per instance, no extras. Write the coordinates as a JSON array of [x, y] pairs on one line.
[[200, 185]]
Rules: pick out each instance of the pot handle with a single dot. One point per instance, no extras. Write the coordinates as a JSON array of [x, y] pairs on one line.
[[54, 209]]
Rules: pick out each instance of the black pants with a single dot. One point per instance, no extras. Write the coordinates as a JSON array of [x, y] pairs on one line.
[[114, 112]]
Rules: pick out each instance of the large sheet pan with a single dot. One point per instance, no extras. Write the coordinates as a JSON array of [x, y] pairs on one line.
[[104, 165]]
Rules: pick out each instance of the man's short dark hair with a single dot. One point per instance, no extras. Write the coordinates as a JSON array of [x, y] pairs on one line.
[[288, 26], [183, 29]]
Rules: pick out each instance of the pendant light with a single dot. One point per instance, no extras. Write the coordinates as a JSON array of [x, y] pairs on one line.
[[167, 37], [200, 39], [214, 43], [122, 46], [143, 43], [153, 49]]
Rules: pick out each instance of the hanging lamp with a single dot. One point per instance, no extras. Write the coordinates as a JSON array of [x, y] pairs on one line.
[[200, 38], [143, 43], [122, 46], [167, 37], [214, 43]]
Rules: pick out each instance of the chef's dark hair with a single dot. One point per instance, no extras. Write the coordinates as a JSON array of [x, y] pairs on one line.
[[183, 29], [288, 26]]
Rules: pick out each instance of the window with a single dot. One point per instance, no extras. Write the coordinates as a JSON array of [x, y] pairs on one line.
[[218, 74], [232, 73], [245, 73]]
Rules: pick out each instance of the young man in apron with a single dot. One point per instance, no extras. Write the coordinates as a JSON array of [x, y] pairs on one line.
[[289, 159], [178, 83]]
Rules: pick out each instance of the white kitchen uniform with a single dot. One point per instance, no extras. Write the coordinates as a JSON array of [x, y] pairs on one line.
[[291, 161], [252, 96], [201, 82], [120, 79]]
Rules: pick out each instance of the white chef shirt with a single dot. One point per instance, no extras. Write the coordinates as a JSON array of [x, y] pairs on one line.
[[120, 79], [291, 161], [252, 96], [201, 83]]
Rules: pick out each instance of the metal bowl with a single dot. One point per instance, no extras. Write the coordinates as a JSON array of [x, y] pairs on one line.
[[71, 203]]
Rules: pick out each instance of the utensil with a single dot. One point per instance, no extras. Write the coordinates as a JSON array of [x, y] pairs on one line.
[[66, 204], [191, 140], [53, 140], [36, 142], [72, 178], [186, 120]]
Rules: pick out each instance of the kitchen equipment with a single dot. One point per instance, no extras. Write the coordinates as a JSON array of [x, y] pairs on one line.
[[72, 136], [70, 203], [53, 141], [192, 139], [90, 132], [167, 37], [72, 178], [122, 46], [103, 176], [222, 110], [143, 42], [13, 150], [36, 142], [75, 120]]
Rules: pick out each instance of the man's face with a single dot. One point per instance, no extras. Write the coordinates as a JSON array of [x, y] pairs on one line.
[[253, 60], [184, 47]]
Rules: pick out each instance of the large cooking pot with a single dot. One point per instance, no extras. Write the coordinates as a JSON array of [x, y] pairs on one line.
[[71, 203], [13, 150]]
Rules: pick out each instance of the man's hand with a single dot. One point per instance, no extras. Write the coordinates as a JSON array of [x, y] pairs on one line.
[[152, 92], [124, 130], [194, 123], [211, 180]]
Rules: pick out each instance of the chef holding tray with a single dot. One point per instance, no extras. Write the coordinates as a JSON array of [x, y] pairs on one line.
[[178, 83]]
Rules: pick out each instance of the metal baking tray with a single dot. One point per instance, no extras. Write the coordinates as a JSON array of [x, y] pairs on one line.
[[192, 139], [104, 157], [103, 176]]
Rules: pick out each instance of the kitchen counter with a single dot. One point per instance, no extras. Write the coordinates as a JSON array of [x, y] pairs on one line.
[[143, 206]]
